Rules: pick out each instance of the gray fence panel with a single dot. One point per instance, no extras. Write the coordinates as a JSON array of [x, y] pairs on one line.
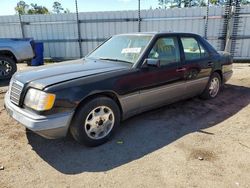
[[243, 41], [10, 27]]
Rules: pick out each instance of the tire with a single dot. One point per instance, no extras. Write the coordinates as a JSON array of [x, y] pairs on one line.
[[212, 90], [95, 121], [7, 67]]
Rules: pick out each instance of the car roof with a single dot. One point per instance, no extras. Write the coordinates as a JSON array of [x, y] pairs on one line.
[[154, 33]]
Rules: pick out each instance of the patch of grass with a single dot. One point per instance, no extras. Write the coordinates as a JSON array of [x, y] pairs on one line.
[[47, 61]]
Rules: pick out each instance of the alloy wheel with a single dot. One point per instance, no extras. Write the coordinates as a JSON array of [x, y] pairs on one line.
[[99, 122], [214, 87], [5, 68]]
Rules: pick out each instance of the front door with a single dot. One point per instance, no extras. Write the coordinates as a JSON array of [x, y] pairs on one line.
[[165, 84]]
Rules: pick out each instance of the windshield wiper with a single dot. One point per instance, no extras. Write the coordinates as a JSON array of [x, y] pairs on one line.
[[117, 60]]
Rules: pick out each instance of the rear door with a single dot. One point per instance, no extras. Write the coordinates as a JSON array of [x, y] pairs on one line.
[[197, 65]]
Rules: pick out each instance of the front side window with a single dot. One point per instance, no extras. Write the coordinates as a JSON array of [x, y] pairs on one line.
[[127, 48], [192, 49], [166, 50]]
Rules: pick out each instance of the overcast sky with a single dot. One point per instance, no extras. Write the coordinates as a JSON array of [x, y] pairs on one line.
[[7, 6]]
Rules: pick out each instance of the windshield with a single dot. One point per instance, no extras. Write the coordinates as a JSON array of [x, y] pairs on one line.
[[126, 48]]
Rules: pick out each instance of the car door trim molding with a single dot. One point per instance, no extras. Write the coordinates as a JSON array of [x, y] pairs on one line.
[[131, 103], [159, 88]]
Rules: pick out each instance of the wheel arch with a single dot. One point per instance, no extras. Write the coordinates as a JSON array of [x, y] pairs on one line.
[[8, 53], [110, 94], [220, 73]]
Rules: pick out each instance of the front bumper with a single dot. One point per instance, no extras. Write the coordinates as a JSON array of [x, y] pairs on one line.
[[52, 126]]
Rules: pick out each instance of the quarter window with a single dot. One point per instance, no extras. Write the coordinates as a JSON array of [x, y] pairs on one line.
[[166, 50], [192, 49]]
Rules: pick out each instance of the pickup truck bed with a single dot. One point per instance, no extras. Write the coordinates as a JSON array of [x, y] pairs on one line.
[[13, 51]]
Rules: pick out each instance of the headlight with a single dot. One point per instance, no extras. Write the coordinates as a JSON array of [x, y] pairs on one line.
[[39, 100]]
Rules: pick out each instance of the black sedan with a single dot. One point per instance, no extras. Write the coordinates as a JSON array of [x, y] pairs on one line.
[[126, 75]]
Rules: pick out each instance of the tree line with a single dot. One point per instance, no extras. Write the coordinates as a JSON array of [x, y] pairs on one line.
[[194, 3], [23, 8]]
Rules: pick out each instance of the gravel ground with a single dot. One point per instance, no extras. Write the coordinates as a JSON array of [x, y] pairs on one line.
[[193, 143]]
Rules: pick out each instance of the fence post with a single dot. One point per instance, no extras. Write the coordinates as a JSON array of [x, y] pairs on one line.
[[236, 25], [21, 25], [226, 20], [228, 40], [79, 30], [206, 22], [139, 15]]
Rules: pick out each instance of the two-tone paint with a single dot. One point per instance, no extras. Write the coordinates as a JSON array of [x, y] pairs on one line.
[[135, 87]]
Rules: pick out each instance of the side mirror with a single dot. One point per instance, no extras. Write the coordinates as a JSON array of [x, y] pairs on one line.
[[152, 62]]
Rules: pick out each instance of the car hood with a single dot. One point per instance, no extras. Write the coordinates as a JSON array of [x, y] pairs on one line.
[[44, 76]]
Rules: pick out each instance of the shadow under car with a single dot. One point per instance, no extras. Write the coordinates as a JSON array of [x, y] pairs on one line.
[[142, 134]]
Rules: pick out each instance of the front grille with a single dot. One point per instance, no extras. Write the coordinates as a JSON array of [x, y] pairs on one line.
[[16, 88]]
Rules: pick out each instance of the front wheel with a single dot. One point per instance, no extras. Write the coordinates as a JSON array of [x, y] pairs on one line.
[[95, 121], [213, 87]]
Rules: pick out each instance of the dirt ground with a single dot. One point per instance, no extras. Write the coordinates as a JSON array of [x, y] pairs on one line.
[[194, 143]]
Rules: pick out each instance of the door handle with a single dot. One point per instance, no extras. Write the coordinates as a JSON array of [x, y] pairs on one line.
[[182, 69], [210, 64]]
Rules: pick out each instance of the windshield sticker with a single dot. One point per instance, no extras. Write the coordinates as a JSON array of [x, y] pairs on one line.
[[131, 50]]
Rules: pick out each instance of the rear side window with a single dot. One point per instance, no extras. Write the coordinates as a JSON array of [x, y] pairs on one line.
[[166, 49], [192, 49]]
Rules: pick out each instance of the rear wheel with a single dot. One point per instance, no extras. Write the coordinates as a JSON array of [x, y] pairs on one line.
[[95, 121], [213, 87], [7, 67]]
